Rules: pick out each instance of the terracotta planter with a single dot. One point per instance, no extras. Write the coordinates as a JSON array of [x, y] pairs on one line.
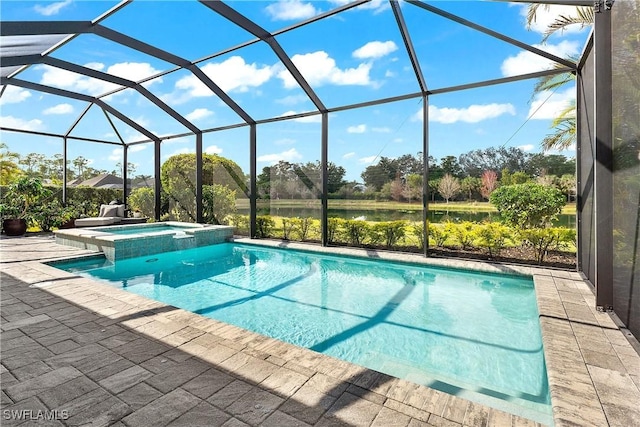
[[14, 227]]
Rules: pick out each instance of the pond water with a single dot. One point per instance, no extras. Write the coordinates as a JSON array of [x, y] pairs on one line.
[[434, 216]]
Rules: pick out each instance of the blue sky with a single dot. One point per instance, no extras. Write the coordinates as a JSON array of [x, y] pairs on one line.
[[354, 57]]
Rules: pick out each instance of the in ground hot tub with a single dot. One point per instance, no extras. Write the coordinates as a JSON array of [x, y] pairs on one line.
[[128, 241]]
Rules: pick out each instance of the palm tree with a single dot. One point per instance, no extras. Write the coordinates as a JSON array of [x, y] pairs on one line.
[[564, 125], [584, 16]]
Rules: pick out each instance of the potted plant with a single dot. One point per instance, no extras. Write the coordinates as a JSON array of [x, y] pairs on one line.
[[20, 205]]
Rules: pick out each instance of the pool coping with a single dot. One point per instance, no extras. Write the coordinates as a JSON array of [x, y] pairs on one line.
[[589, 359]]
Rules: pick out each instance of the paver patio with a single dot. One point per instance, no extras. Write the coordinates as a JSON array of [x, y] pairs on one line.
[[86, 353]]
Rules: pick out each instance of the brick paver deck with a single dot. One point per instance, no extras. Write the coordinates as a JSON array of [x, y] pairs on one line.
[[86, 353]]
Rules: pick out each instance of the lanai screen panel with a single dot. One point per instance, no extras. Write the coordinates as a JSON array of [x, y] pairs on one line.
[[289, 182], [452, 54], [254, 78], [184, 93], [228, 150], [357, 57], [197, 33], [178, 179], [586, 184], [626, 152]]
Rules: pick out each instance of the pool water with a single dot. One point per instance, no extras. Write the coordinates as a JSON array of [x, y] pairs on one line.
[[476, 335]]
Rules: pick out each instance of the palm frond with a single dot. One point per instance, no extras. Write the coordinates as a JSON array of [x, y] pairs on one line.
[[532, 11], [551, 82], [584, 16], [564, 125], [564, 136]]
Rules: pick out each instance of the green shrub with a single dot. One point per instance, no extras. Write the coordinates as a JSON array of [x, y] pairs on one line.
[[218, 202], [241, 223], [492, 236], [567, 238], [528, 205], [287, 227], [464, 233], [302, 226], [143, 200], [439, 233], [89, 199], [356, 231], [390, 232], [418, 231], [542, 240], [334, 226], [264, 225]]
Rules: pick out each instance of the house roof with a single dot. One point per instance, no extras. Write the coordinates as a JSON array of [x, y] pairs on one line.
[[102, 180]]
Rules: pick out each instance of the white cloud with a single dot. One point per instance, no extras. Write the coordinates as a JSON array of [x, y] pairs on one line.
[[142, 121], [14, 95], [232, 75], [528, 62], [348, 155], [132, 135], [51, 8], [197, 114], [381, 130], [116, 155], [368, 159], [286, 10], [398, 140], [18, 123], [545, 16], [134, 71], [59, 109], [316, 118], [357, 129], [375, 49], [377, 6], [137, 148], [320, 69], [471, 114], [292, 100], [64, 79], [289, 156], [390, 74], [213, 149], [527, 147], [98, 66], [548, 109], [285, 141]]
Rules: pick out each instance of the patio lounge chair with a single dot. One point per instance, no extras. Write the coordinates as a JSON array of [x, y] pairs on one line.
[[109, 214]]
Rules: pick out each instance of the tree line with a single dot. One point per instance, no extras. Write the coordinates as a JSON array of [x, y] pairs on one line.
[[471, 176]]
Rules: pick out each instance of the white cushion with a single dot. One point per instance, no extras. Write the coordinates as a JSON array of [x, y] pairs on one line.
[[93, 222], [102, 208], [110, 211]]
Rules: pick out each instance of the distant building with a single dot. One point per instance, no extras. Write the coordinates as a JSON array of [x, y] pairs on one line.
[[104, 180]]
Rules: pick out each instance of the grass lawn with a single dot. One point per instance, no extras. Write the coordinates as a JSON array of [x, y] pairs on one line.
[[569, 209]]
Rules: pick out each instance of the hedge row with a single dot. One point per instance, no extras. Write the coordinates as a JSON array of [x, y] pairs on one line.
[[491, 237]]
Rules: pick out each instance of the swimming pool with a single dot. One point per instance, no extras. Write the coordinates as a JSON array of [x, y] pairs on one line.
[[474, 335]]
